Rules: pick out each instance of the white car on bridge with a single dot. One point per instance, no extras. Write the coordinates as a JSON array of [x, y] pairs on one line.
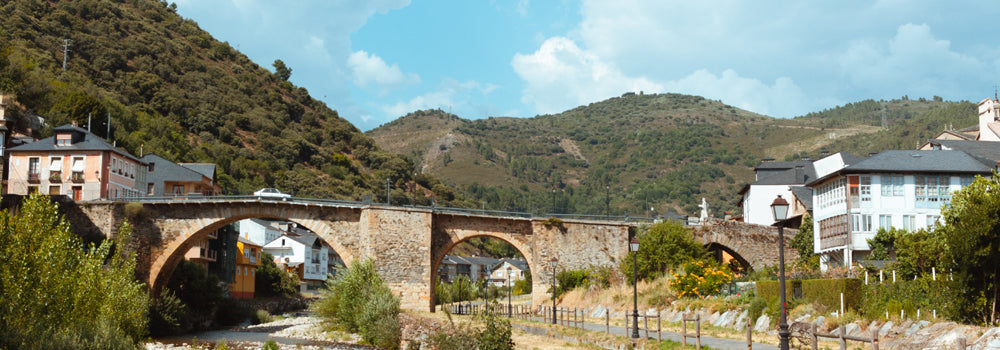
[[272, 193]]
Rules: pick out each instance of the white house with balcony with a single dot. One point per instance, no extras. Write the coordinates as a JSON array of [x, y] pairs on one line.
[[308, 255], [902, 189], [261, 231], [508, 271]]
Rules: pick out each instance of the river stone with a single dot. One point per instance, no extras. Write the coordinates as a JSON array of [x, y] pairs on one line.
[[820, 321], [741, 321], [802, 318], [851, 328], [599, 312], [677, 316], [916, 327], [722, 319], [711, 318], [763, 324], [882, 332]]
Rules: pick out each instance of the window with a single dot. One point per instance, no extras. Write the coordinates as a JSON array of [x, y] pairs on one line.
[[932, 221], [909, 222], [178, 189], [78, 166], [967, 180], [149, 189], [33, 168], [54, 191], [885, 221], [861, 223], [55, 169], [866, 188], [932, 190], [892, 185]]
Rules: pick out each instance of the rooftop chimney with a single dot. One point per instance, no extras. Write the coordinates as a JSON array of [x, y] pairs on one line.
[[800, 174]]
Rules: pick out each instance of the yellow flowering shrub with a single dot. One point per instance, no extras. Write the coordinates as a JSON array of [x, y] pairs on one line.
[[700, 278]]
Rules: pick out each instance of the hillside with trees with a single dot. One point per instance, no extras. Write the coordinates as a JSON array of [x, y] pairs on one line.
[[638, 152], [168, 87]]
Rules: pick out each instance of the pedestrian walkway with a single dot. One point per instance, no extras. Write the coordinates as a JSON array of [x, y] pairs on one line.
[[715, 343]]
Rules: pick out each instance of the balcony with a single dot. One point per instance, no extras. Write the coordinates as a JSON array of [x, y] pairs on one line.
[[77, 177], [55, 176], [34, 178]]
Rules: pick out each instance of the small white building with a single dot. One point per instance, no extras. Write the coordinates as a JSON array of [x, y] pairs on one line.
[[309, 255], [262, 231], [499, 274]]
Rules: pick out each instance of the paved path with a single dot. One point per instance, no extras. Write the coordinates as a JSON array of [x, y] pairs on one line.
[[715, 343]]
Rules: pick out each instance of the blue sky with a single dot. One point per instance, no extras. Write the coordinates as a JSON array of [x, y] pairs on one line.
[[375, 61]]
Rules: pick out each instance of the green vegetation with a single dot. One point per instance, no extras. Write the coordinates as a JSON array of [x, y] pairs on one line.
[[57, 292], [662, 246], [631, 153], [170, 88], [358, 301], [495, 334], [271, 281]]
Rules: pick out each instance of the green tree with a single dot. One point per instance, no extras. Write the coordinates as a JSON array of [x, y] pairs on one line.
[[918, 252], [971, 234], [358, 301], [57, 292], [884, 243], [282, 70], [803, 241], [272, 281], [662, 246]]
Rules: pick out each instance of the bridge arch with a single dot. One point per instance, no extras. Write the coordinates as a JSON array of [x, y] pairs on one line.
[[176, 243], [755, 244], [720, 251], [448, 231]]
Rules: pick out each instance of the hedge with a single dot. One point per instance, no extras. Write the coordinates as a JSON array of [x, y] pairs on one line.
[[820, 291]]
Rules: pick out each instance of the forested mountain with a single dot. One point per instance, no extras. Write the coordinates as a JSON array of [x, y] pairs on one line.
[[637, 152], [170, 88]]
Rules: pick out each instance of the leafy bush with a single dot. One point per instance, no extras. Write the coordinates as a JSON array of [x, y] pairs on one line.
[[825, 292], [55, 292], [571, 279], [270, 344], [272, 281], [495, 334], [908, 295], [662, 246], [701, 278], [358, 301], [261, 316]]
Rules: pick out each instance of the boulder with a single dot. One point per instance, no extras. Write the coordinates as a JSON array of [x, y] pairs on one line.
[[741, 321], [915, 327], [884, 331], [763, 324], [723, 319], [851, 328], [599, 312], [819, 321]]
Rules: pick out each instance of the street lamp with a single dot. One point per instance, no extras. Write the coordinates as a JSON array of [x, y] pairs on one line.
[[633, 246], [510, 312], [553, 263], [780, 210]]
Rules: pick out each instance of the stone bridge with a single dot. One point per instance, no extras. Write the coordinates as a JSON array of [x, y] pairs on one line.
[[407, 244]]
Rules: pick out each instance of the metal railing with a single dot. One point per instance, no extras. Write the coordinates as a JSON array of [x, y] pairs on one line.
[[361, 204]]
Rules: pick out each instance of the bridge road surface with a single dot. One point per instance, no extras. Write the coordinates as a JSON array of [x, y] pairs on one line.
[[714, 343]]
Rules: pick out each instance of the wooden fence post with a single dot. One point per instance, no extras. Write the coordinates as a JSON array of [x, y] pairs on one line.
[[659, 331], [626, 323], [749, 337], [874, 338], [960, 343], [843, 342], [607, 320], [645, 324], [684, 330], [697, 330], [815, 337]]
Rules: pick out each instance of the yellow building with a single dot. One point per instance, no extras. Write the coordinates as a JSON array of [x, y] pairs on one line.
[[246, 269]]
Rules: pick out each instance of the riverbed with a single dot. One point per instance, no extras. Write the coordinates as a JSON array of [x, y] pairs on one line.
[[302, 332]]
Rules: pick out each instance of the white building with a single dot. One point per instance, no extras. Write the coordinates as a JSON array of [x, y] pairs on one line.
[[262, 231], [901, 189], [499, 274], [773, 179], [308, 255]]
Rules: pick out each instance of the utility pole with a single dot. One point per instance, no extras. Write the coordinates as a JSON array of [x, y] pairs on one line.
[[66, 51], [387, 200]]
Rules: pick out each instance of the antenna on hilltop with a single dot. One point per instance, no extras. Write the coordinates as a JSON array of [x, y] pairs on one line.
[[66, 51], [884, 121]]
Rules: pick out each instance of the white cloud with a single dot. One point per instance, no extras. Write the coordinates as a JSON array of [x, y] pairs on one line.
[[369, 69], [560, 76], [451, 95], [780, 98]]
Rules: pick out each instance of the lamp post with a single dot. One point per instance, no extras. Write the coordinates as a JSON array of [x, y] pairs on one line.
[[780, 210], [607, 202], [553, 263], [633, 246], [510, 311]]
